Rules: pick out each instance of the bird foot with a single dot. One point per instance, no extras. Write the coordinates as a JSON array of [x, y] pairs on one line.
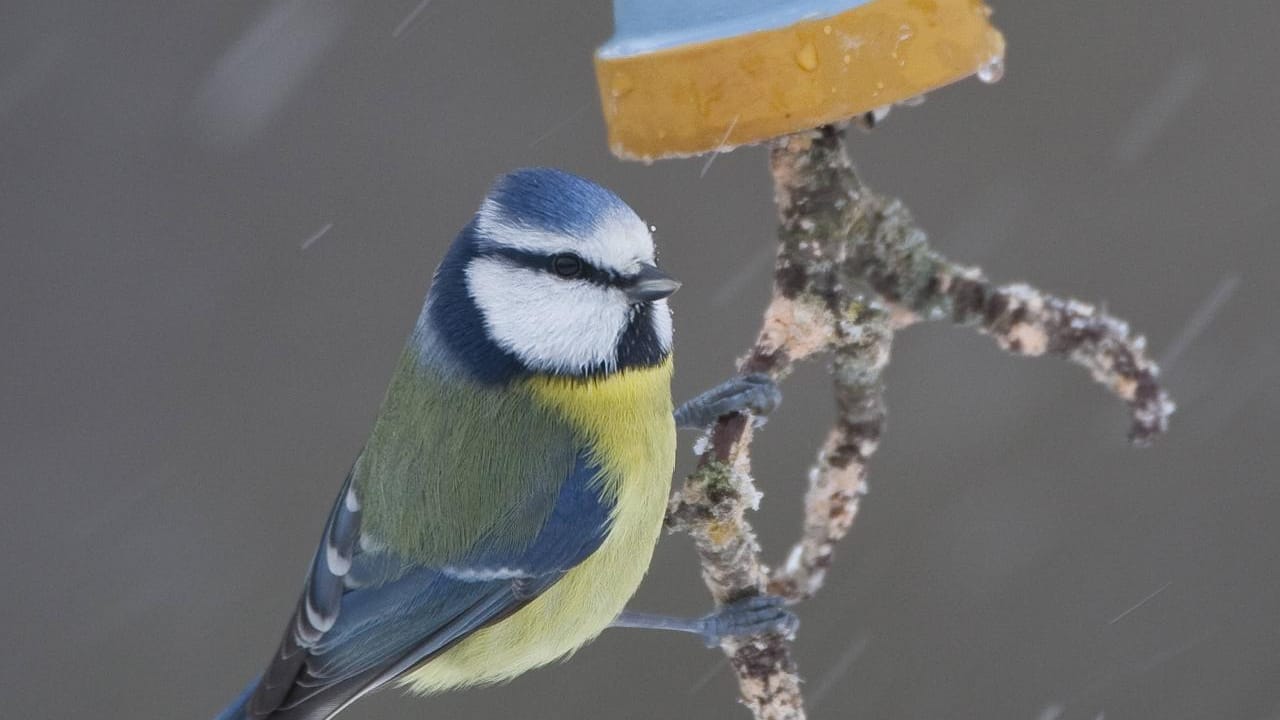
[[754, 392], [755, 615]]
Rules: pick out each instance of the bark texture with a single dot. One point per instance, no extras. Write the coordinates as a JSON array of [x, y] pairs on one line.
[[852, 269]]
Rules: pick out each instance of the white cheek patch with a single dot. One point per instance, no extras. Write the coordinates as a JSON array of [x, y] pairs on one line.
[[551, 324], [660, 317]]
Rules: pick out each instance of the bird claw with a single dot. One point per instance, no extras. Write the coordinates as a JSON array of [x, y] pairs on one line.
[[755, 615], [754, 392]]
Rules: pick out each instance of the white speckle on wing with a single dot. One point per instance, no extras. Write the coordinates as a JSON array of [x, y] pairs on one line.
[[306, 634], [317, 620], [338, 565], [484, 574]]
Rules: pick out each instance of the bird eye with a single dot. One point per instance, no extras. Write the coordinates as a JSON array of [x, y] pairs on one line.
[[566, 265]]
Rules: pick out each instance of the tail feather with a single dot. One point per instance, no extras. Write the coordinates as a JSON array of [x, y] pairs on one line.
[[239, 708], [320, 706]]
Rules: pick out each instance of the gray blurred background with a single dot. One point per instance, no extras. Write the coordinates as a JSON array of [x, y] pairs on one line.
[[217, 221]]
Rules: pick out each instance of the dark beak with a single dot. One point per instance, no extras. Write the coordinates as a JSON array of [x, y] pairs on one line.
[[649, 284]]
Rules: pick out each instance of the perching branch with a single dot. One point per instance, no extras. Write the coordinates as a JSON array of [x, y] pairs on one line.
[[893, 256], [838, 478], [837, 237]]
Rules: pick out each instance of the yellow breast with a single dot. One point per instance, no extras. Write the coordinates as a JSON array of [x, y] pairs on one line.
[[626, 419]]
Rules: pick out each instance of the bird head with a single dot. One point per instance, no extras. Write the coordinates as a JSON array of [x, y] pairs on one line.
[[554, 274]]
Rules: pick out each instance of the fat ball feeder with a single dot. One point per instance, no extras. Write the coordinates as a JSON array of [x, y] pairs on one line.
[[685, 77]]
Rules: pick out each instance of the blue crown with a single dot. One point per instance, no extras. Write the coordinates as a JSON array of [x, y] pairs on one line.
[[553, 200]]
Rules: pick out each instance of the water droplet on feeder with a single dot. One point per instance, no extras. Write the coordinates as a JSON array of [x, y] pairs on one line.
[[992, 70], [826, 29], [807, 57], [622, 84]]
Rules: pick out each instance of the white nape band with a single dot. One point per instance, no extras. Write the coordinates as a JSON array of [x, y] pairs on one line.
[[617, 240]]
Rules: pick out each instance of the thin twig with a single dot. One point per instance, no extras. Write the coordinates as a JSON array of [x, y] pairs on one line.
[[894, 258], [838, 478], [836, 236]]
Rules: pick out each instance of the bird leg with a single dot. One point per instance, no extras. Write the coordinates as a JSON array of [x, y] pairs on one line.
[[755, 392], [754, 615]]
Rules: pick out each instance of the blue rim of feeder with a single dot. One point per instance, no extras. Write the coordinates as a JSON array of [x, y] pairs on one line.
[[684, 77]]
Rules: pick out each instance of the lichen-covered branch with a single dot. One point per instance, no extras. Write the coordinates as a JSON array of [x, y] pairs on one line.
[[799, 322], [711, 509], [839, 240], [893, 256], [838, 478]]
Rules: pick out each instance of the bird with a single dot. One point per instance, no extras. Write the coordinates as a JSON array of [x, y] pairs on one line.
[[509, 497]]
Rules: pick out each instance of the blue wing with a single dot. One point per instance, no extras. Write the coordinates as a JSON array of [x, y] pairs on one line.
[[367, 616]]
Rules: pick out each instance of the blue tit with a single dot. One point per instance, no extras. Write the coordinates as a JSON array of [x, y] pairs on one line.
[[506, 504]]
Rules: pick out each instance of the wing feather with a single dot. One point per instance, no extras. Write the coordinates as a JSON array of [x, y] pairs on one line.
[[317, 609], [366, 615]]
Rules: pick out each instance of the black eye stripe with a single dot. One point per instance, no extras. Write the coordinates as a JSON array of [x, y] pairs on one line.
[[567, 265], [547, 263]]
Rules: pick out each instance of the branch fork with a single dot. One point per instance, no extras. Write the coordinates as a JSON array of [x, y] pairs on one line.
[[852, 269]]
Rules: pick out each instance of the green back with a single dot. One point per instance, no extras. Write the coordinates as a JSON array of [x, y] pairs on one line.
[[453, 467]]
